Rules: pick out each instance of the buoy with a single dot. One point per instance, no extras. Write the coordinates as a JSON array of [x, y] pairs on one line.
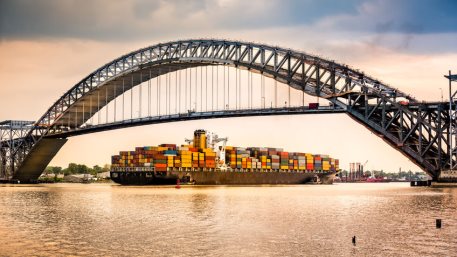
[[438, 223], [178, 186]]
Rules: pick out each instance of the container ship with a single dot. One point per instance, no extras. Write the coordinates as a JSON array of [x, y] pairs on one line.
[[208, 160]]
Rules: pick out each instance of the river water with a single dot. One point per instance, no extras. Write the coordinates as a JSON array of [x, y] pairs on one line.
[[390, 219]]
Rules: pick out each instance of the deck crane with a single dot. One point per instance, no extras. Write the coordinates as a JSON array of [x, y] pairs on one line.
[[362, 169]]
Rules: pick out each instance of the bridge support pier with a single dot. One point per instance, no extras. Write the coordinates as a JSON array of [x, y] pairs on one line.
[[38, 158], [448, 176]]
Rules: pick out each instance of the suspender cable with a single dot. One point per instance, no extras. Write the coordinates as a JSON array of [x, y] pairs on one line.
[[228, 87], [140, 95], [196, 88], [158, 92], [90, 107], [180, 87], [115, 100], [262, 93], [249, 89], [252, 86], [236, 88], [123, 99], [106, 104], [276, 93], [98, 106], [185, 91], [176, 92], [223, 68], [190, 89], [170, 97], [76, 117], [303, 78], [69, 119], [83, 113], [166, 93], [217, 87], [289, 95], [201, 89], [239, 90], [169, 91], [206, 88], [212, 88], [131, 99], [149, 93]]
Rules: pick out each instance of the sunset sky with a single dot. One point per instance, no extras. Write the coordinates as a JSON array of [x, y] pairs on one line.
[[46, 47]]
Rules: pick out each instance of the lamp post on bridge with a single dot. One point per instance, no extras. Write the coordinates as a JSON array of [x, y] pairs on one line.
[[452, 118]]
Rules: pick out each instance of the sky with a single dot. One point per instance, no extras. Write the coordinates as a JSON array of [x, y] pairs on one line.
[[47, 46]]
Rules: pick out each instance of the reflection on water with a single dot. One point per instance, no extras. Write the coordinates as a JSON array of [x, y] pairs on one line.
[[303, 220]]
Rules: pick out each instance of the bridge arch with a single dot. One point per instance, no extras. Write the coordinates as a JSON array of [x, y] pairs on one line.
[[416, 129]]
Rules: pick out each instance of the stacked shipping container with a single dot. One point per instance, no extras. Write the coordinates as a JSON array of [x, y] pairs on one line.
[[167, 156]]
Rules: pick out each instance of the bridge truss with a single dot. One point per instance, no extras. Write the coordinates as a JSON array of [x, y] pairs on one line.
[[196, 79]]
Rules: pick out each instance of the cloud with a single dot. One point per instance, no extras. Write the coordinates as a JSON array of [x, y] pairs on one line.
[[397, 25], [103, 20]]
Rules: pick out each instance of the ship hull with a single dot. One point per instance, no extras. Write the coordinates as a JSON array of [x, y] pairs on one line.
[[221, 178]]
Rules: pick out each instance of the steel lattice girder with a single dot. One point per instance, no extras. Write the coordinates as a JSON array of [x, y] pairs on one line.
[[12, 133], [363, 96]]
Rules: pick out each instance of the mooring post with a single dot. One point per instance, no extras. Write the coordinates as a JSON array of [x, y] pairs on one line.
[[438, 223]]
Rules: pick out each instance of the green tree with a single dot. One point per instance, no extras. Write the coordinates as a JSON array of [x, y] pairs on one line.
[[53, 170], [106, 168], [56, 170]]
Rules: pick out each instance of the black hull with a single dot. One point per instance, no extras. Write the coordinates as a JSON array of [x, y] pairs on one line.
[[220, 178]]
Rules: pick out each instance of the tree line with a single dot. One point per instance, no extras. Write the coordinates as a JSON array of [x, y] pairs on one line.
[[74, 168]]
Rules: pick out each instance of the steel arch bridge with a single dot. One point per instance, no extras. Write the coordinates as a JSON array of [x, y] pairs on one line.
[[419, 130]]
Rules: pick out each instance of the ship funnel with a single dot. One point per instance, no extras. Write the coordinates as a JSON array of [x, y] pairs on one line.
[[200, 139]]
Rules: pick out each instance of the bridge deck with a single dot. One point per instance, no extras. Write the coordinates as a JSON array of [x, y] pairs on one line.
[[196, 116]]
